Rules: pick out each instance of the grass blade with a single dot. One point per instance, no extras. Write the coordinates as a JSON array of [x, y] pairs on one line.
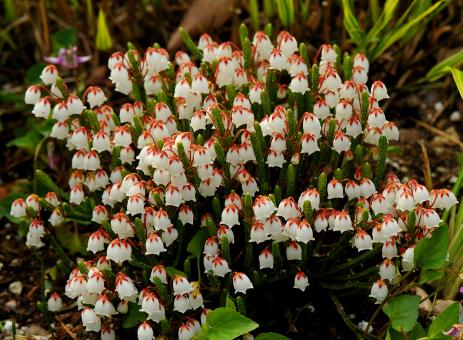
[[352, 25], [440, 69]]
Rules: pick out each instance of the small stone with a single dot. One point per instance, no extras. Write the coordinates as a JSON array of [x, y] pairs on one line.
[[438, 106], [16, 287], [1, 265], [12, 304], [455, 116], [7, 326]]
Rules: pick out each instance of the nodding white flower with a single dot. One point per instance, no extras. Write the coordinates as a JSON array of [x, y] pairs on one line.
[[321, 221], [32, 94], [125, 287], [311, 124], [126, 113], [95, 96], [361, 59], [429, 218], [90, 320], [379, 291], [198, 120], [61, 112], [156, 59], [32, 201], [80, 138], [342, 221], [108, 333], [379, 91], [173, 196], [36, 228], [78, 161], [301, 281], [91, 161], [389, 249], [352, 190], [391, 131], [42, 108], [160, 272], [121, 225], [299, 83], [335, 189], [359, 75], [389, 226], [387, 270], [328, 53], [103, 263], [96, 242], [54, 303], [282, 91], [290, 228], [265, 259], [135, 204], [59, 130], [154, 244], [101, 142], [311, 195], [275, 159], [169, 235], [263, 45], [240, 77], [226, 232], [18, 208], [363, 240], [241, 282], [95, 283], [278, 142], [258, 233], [49, 74], [376, 118], [104, 307], [379, 204], [77, 194], [185, 214], [225, 71], [162, 220], [207, 262], [211, 246], [442, 198], [343, 110], [288, 208], [293, 251], [255, 92], [186, 332], [304, 232], [116, 57], [405, 201], [353, 126], [150, 303], [321, 109], [278, 60], [341, 142], [33, 241], [220, 267], [367, 187], [153, 84], [119, 251], [420, 194], [408, 256], [263, 208], [122, 136], [145, 331], [181, 285]]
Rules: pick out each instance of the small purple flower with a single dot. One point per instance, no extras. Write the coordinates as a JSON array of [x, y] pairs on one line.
[[455, 331], [68, 58]]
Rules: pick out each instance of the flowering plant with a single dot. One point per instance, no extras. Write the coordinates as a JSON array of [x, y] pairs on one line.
[[252, 168]]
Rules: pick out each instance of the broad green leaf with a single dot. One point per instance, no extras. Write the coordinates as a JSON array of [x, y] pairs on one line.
[[134, 316], [417, 332], [444, 321], [103, 38], [34, 72], [64, 38], [225, 324], [351, 24], [71, 240], [431, 253], [429, 275], [458, 78], [440, 69], [28, 141], [403, 312], [271, 336], [196, 245], [229, 303], [396, 35]]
